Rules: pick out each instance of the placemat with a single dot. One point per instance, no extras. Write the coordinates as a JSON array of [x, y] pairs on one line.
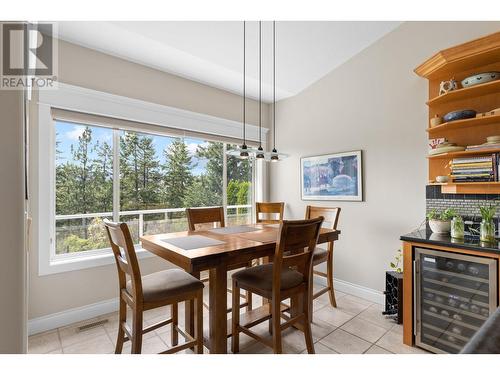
[[192, 242], [235, 229]]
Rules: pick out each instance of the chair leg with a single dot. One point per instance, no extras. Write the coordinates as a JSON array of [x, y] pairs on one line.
[[248, 297], [175, 322], [136, 331], [235, 338], [276, 324], [121, 333], [199, 322], [329, 279], [307, 326]]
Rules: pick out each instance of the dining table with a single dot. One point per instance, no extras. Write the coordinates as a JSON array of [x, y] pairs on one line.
[[219, 250]]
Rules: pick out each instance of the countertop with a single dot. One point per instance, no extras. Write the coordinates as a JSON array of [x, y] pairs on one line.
[[470, 242]]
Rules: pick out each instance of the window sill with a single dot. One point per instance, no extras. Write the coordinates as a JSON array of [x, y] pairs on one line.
[[84, 262]]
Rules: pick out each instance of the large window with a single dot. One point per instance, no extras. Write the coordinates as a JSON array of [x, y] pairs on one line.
[[149, 185]]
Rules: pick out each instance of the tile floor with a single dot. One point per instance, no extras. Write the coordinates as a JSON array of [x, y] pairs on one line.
[[356, 326]]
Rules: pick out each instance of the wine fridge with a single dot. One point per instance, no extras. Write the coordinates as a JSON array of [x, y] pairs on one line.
[[455, 294]]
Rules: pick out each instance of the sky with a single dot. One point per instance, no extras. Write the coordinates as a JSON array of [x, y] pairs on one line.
[[67, 134]]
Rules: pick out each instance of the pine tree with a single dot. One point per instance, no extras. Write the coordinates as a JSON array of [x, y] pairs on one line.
[[176, 173], [84, 172], [103, 170]]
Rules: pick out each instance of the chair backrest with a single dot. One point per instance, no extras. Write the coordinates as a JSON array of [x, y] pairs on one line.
[[268, 208], [125, 257], [331, 215], [295, 248], [211, 215]]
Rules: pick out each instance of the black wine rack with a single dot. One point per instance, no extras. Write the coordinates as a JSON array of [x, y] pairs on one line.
[[394, 295]]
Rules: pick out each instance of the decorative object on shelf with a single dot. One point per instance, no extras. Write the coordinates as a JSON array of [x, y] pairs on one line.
[[487, 227], [446, 147], [493, 112], [436, 120], [459, 115], [493, 139], [457, 227], [394, 295], [434, 142], [440, 223], [477, 79], [442, 179], [492, 143], [332, 177], [447, 86], [474, 169]]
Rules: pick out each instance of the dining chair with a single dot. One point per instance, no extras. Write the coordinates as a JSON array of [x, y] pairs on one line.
[[322, 255], [288, 276], [264, 209], [142, 293], [214, 216]]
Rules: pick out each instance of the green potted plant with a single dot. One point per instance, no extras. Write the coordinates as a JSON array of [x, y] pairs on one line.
[[487, 228], [395, 264], [457, 227], [441, 222]]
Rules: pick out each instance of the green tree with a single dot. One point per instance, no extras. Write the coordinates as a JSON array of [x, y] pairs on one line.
[[177, 176], [84, 197], [103, 170]]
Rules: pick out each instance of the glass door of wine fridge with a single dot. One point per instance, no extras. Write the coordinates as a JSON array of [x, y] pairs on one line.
[[455, 294]]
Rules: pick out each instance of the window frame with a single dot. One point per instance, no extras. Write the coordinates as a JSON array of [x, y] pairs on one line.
[[93, 102]]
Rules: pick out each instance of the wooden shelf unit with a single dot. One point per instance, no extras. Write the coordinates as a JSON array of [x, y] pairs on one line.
[[477, 56]]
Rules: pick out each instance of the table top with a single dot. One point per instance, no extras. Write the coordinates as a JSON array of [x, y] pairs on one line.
[[205, 248]]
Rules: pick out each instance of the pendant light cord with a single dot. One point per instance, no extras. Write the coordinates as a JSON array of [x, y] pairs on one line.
[[260, 84], [274, 85], [244, 82]]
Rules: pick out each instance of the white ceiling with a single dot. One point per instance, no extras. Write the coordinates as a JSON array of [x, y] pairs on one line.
[[211, 52]]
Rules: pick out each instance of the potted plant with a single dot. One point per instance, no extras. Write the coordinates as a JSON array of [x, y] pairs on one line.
[[457, 227], [441, 222], [487, 228], [395, 265]]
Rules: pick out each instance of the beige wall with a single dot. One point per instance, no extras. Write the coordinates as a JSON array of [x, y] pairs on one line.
[[375, 103], [87, 68], [13, 255]]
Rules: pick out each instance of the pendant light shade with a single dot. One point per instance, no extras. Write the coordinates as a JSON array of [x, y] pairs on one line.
[[260, 151]]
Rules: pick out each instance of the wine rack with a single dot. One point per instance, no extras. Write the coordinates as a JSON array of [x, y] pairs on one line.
[[394, 296], [455, 294]]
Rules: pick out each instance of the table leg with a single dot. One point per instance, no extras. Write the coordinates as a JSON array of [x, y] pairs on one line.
[[189, 312], [218, 309]]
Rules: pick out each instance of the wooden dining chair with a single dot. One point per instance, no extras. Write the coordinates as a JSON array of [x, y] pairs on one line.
[[264, 209], [289, 276], [169, 287], [322, 255], [214, 216]]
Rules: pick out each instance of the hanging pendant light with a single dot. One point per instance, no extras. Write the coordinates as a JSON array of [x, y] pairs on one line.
[[274, 155], [260, 151], [244, 149]]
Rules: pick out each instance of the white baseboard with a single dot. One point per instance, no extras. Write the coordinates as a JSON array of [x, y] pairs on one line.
[[66, 317], [78, 314], [369, 294]]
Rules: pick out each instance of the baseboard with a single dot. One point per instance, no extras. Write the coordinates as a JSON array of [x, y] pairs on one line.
[[66, 317], [369, 294]]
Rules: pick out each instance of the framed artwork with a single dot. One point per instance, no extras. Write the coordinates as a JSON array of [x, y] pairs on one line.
[[332, 177]]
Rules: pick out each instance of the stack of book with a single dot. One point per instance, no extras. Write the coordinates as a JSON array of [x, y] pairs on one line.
[[475, 169]]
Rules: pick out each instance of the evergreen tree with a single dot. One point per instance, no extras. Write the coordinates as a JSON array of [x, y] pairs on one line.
[[84, 198], [177, 175], [103, 170]]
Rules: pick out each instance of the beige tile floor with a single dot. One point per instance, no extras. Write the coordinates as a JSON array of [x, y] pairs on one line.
[[356, 326]]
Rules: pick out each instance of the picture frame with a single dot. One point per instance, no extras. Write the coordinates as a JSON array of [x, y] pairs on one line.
[[335, 177]]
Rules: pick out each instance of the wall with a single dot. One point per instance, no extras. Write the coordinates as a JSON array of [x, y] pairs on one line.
[[13, 263], [375, 103], [91, 69]]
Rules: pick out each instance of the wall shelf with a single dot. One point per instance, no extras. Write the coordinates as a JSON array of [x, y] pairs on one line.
[[464, 124], [462, 154], [465, 93]]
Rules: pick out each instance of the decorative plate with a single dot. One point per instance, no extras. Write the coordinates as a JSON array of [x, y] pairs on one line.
[[459, 115], [480, 78]]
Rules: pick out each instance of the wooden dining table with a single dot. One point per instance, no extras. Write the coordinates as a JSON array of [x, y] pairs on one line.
[[217, 251]]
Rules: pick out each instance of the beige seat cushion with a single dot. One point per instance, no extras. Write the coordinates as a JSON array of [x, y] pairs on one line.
[[261, 277], [166, 284]]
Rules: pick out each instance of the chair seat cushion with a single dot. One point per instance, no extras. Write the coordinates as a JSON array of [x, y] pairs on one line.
[[261, 277], [320, 253], [167, 284]]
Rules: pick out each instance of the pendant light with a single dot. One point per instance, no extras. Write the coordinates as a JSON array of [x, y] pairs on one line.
[[260, 151], [244, 149]]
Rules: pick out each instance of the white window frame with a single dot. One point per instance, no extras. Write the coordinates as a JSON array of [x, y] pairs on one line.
[[94, 102]]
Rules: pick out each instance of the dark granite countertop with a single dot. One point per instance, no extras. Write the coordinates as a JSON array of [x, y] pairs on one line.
[[470, 242]]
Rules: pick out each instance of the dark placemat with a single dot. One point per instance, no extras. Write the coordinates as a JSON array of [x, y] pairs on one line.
[[235, 229], [192, 242]]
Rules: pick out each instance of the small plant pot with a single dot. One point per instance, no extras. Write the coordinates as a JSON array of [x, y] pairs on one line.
[[440, 226], [457, 228], [487, 231]]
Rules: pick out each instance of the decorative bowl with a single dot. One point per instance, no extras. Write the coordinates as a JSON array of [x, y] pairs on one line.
[[477, 79], [493, 139], [442, 179], [459, 115], [439, 226]]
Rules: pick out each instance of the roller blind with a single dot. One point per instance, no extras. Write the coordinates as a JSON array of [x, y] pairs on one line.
[[115, 123]]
